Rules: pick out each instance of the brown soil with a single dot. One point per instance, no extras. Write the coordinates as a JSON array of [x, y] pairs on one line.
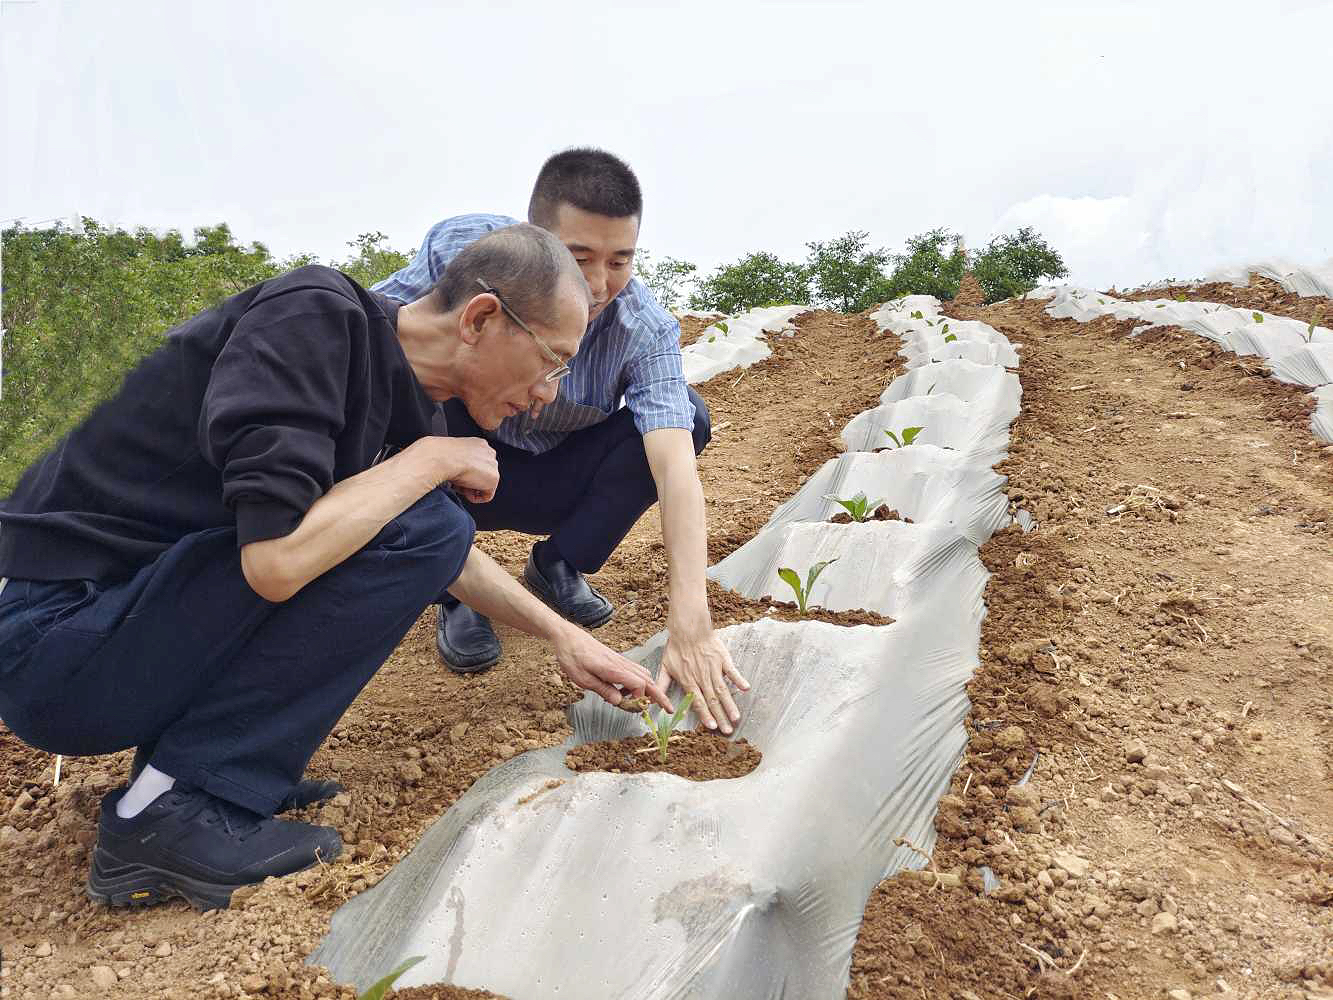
[[969, 292], [692, 326], [418, 736], [881, 513], [697, 754], [1167, 667], [442, 993], [1262, 293]]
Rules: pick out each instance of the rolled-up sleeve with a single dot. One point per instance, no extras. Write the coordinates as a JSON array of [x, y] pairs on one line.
[[275, 405], [655, 390]]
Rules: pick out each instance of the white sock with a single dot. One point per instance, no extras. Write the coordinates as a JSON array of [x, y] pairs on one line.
[[149, 785]]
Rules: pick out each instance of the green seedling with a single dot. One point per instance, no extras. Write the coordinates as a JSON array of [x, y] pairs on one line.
[[723, 327], [1309, 333], [1180, 297], [951, 338], [858, 507], [793, 581], [711, 339], [1258, 317], [661, 728], [918, 314], [908, 436], [378, 990]]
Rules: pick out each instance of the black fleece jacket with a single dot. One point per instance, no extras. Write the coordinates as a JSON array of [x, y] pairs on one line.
[[246, 415]]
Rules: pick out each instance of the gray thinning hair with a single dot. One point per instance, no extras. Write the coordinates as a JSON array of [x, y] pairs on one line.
[[524, 263]]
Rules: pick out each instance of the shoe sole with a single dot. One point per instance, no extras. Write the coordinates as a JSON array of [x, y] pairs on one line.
[[112, 882], [451, 659]]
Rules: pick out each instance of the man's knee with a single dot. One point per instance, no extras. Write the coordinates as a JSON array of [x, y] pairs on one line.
[[432, 537], [703, 423]]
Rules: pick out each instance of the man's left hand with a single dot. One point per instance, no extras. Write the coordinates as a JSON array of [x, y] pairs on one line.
[[704, 667]]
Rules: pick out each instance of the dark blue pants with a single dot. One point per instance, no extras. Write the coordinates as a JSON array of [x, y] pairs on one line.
[[586, 493], [235, 693]]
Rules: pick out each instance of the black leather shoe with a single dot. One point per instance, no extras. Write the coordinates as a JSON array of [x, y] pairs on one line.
[[306, 792], [465, 639], [565, 589], [189, 843]]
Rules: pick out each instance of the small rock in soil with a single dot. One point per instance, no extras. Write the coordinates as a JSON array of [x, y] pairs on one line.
[[1164, 923], [1136, 752]]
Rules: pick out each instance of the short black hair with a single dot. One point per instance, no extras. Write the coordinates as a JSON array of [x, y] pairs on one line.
[[590, 179], [525, 264]]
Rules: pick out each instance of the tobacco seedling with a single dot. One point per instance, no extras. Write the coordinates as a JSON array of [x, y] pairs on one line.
[[661, 728], [858, 507], [381, 987], [1258, 317], [723, 327], [918, 314], [909, 435], [793, 581], [1309, 333], [951, 338]]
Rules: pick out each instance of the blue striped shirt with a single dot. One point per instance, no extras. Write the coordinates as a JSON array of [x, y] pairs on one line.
[[632, 350]]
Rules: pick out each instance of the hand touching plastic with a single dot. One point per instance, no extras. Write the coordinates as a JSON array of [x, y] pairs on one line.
[[703, 667]]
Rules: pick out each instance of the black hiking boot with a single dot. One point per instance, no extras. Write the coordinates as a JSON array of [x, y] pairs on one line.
[[189, 843]]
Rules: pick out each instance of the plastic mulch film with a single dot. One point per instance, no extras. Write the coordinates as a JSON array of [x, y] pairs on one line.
[[1294, 278], [739, 345], [1295, 352], [541, 882]]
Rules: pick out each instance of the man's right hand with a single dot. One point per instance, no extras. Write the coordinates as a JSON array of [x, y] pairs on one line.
[[469, 465], [594, 667]]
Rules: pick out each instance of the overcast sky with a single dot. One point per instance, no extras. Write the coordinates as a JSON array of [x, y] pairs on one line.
[[1144, 140]]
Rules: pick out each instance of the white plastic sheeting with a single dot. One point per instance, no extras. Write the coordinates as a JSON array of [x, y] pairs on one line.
[[1295, 353], [1297, 278], [740, 345], [540, 882]]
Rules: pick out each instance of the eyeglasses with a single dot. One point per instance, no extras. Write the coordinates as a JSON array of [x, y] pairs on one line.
[[561, 368]]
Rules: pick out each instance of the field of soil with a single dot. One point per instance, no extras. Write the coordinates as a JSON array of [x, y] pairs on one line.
[[1167, 666]]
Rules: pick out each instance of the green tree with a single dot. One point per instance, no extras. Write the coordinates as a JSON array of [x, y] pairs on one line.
[[1013, 263], [927, 267], [373, 261], [847, 276], [664, 277], [758, 279], [82, 307]]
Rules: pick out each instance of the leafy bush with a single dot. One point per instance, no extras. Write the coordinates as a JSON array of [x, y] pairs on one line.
[[81, 308], [927, 268], [664, 277], [373, 261], [847, 276], [1013, 263], [755, 280]]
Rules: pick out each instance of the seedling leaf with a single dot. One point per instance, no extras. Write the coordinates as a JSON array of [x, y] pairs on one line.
[[711, 339], [894, 438], [723, 327], [951, 338], [815, 570], [661, 728], [378, 989], [917, 314], [1258, 317], [909, 435], [793, 581]]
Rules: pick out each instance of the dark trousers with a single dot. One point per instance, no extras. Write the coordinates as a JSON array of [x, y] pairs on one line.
[[235, 693], [586, 493]]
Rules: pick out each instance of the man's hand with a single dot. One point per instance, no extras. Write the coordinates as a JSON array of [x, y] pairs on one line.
[[703, 666], [594, 667], [469, 465]]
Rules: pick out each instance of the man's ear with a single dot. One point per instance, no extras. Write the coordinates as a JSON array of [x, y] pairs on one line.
[[472, 320]]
